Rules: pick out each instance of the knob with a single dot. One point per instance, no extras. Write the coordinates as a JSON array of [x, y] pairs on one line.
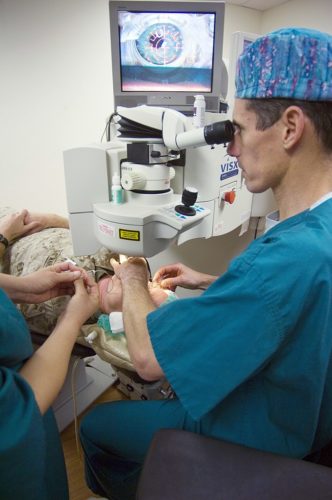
[[132, 180], [229, 196], [171, 173], [189, 197]]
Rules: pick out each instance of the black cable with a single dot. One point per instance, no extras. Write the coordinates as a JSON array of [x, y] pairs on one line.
[[107, 129], [149, 268], [256, 230]]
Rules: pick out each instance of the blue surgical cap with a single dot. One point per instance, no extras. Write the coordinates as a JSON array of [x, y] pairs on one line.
[[292, 63]]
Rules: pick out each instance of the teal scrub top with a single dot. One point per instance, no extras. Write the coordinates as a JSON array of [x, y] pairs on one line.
[[250, 359], [32, 465]]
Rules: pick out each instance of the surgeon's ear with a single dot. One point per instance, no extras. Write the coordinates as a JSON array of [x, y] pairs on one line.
[[293, 120]]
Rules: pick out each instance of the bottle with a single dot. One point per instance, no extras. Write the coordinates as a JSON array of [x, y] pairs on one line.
[[199, 111], [117, 194]]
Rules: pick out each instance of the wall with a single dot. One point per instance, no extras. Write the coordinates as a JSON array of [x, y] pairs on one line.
[[56, 92], [317, 15]]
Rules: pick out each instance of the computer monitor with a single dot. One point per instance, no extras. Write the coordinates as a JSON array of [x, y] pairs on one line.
[[165, 53]]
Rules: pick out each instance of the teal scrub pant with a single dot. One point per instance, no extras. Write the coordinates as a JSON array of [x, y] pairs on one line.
[[116, 436]]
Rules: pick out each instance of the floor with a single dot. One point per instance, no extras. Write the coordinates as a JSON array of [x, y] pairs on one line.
[[75, 469]]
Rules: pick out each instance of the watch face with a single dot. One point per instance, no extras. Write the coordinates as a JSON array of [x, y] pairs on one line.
[[160, 44]]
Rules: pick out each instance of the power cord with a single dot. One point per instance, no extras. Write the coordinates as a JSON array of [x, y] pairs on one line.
[[73, 391], [86, 362], [107, 129]]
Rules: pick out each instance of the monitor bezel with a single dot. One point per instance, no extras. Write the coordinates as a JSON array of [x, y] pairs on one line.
[[180, 100]]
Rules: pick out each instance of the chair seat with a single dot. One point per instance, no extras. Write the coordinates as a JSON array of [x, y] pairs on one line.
[[182, 465]]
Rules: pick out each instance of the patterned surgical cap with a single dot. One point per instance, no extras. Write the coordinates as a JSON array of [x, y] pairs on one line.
[[292, 63]]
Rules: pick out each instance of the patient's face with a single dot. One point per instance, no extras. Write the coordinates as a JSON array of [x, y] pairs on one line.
[[110, 294]]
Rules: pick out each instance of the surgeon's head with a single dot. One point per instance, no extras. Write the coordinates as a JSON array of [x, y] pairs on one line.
[[110, 294], [283, 78]]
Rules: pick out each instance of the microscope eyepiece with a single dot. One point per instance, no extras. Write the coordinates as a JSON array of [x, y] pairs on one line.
[[219, 132]]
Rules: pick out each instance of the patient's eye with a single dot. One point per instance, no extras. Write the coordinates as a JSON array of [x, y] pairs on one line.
[[160, 44]]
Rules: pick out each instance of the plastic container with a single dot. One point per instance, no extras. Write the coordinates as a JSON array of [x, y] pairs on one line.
[[117, 193], [199, 111]]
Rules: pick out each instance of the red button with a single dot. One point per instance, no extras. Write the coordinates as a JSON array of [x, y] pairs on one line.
[[229, 196]]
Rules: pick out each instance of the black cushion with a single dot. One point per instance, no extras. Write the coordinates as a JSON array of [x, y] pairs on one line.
[[181, 465]]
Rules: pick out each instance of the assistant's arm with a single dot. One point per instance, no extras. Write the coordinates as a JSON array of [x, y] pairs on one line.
[[136, 305], [46, 370]]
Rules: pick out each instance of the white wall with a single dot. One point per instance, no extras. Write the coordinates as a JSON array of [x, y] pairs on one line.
[[56, 91], [307, 13]]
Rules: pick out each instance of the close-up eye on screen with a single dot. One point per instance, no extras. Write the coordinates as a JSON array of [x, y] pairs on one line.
[[161, 51]]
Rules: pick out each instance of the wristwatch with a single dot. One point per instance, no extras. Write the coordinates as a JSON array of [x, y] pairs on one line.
[[4, 241]]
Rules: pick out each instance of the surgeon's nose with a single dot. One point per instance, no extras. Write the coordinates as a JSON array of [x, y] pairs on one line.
[[232, 150]]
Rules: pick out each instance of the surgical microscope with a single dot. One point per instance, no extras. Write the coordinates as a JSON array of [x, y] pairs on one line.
[[178, 183]]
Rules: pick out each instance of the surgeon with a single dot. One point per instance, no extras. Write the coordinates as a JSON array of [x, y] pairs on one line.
[[250, 358], [32, 464]]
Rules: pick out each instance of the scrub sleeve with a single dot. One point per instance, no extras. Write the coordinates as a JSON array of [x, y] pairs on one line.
[[32, 464]]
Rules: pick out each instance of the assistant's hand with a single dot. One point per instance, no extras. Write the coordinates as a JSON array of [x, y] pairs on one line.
[[83, 304], [174, 275], [48, 283]]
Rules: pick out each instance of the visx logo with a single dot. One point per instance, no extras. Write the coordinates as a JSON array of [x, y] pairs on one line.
[[229, 169]]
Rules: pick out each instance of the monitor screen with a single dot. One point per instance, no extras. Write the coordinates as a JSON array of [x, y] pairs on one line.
[[163, 53]]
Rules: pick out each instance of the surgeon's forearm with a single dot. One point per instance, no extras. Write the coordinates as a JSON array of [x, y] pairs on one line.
[[137, 304], [46, 370]]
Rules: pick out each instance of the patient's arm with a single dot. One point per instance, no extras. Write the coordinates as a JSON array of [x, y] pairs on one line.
[[18, 224], [14, 226], [46, 220]]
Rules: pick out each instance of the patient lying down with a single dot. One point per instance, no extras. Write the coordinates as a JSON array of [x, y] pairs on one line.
[[39, 240], [110, 300]]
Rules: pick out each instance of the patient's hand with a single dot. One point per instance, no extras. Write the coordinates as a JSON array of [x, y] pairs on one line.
[[15, 225], [23, 223]]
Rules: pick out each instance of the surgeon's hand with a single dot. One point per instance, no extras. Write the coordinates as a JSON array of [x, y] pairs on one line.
[[134, 268], [47, 283], [174, 275]]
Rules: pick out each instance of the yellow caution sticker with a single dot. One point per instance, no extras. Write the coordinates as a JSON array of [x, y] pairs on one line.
[[124, 234]]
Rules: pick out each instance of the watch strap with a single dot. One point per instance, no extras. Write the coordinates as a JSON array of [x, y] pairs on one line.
[[4, 241]]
